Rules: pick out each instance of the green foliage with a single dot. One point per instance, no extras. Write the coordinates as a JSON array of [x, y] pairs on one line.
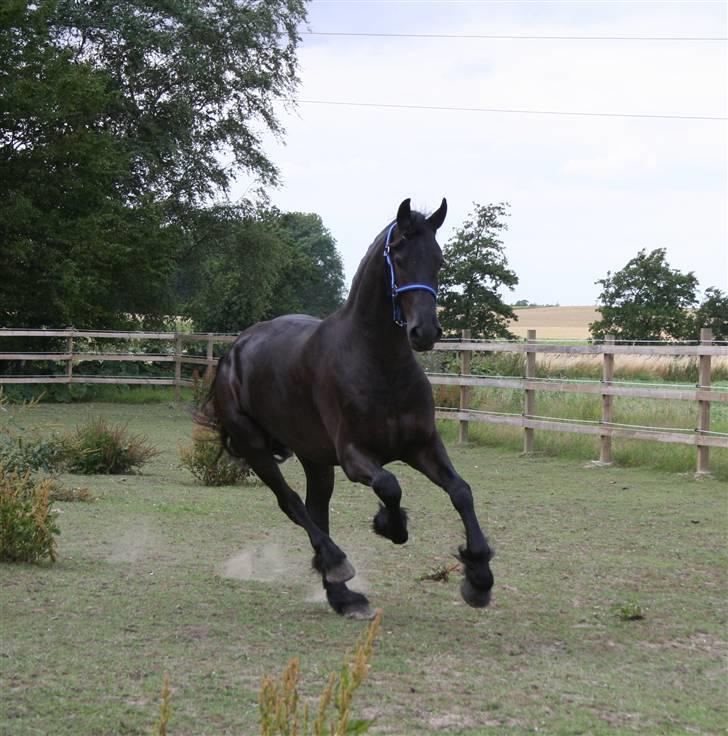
[[100, 448], [113, 117], [193, 79], [312, 281], [68, 230], [713, 313], [230, 273], [23, 451], [27, 524], [647, 300], [20, 452], [245, 264], [474, 272], [629, 610], [211, 467]]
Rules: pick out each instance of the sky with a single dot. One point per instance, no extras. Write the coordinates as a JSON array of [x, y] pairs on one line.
[[586, 193]]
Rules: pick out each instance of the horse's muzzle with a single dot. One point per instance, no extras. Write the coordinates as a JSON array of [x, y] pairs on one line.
[[423, 337]]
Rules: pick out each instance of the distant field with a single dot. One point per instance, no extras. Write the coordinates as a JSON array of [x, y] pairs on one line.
[[553, 323]]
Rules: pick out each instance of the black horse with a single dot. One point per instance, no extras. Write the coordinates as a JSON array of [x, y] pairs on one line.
[[348, 391]]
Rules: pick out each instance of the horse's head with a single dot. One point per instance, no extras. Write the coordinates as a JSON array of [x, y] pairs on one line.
[[414, 259]]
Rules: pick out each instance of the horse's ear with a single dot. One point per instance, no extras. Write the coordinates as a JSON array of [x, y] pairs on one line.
[[438, 216], [404, 216]]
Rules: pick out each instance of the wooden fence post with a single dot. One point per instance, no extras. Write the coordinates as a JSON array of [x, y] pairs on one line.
[[529, 402], [177, 366], [704, 379], [69, 350], [464, 390], [210, 354], [605, 447]]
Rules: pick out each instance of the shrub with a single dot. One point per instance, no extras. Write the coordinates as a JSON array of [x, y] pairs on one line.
[[100, 448], [211, 467], [27, 524], [19, 450], [21, 453]]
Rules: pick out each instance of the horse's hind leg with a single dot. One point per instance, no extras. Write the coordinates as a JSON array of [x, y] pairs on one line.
[[319, 488], [334, 565]]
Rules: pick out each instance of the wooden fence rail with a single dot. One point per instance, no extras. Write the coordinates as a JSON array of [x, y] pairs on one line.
[[606, 429], [74, 356]]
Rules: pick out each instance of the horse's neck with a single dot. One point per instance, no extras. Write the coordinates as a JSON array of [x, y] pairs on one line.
[[368, 309]]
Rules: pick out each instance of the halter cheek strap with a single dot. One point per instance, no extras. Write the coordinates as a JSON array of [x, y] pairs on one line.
[[397, 314]]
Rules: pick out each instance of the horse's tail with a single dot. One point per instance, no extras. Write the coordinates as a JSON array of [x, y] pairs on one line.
[[205, 413]]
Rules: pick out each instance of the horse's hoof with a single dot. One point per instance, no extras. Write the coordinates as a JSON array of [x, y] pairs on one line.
[[359, 611], [341, 573], [389, 526], [475, 597]]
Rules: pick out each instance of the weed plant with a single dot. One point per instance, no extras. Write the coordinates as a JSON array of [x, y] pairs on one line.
[[100, 448], [280, 703], [20, 449], [165, 710], [27, 523], [207, 462]]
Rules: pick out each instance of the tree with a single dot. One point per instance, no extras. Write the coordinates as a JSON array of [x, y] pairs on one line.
[[713, 313], [196, 82], [118, 122], [73, 251], [312, 282], [475, 270], [244, 264], [232, 268], [646, 300]]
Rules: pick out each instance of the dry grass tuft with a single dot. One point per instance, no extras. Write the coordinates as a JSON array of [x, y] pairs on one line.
[[280, 703], [160, 727], [208, 464]]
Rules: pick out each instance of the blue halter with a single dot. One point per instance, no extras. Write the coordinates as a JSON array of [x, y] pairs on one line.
[[397, 314]]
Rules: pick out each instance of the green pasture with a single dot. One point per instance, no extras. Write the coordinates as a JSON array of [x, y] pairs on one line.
[[213, 587]]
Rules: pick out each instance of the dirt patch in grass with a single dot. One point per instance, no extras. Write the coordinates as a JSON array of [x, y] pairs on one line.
[[214, 587]]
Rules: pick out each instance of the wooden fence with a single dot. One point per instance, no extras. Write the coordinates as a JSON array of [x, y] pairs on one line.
[[606, 429], [177, 352]]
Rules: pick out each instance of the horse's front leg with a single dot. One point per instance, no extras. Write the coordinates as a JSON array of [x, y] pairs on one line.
[[432, 460], [361, 467]]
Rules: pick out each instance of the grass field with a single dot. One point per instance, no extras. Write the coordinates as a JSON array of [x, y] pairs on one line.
[[213, 586]]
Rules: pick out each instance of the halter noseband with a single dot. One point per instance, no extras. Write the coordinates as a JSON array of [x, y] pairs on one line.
[[397, 314]]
